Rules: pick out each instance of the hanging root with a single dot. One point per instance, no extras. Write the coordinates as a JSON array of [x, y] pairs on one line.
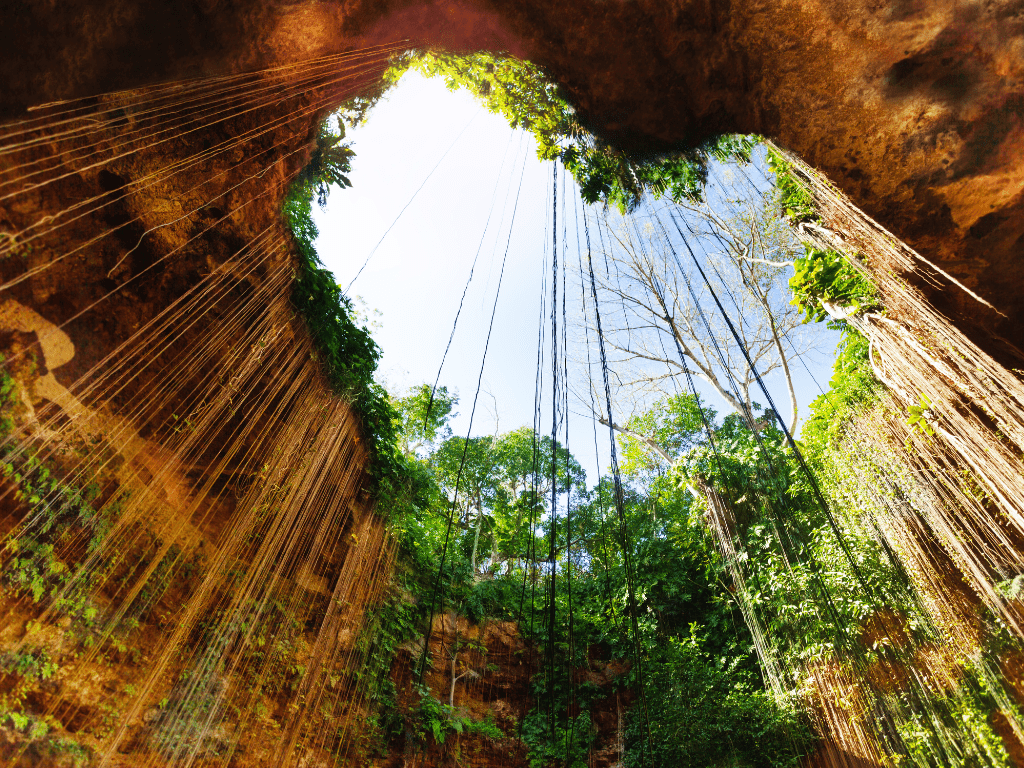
[[187, 531]]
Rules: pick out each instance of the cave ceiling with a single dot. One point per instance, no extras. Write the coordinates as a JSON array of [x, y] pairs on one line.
[[913, 108]]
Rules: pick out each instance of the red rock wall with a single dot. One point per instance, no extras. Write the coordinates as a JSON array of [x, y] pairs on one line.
[[494, 665]]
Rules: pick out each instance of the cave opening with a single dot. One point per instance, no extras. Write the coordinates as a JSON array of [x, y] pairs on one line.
[[221, 527]]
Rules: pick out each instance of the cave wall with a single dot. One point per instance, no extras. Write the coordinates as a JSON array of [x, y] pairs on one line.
[[151, 361], [914, 109], [493, 665]]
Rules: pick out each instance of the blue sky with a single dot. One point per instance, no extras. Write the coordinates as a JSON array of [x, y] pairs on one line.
[[417, 273]]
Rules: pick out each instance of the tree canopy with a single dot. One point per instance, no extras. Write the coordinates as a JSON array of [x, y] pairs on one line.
[[700, 663]]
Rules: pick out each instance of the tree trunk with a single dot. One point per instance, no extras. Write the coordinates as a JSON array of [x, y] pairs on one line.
[[494, 554], [476, 536], [451, 693]]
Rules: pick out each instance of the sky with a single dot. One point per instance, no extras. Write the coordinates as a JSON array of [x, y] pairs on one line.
[[435, 182]]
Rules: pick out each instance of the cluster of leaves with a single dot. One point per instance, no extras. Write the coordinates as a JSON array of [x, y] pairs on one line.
[[502, 513], [564, 743], [852, 388], [705, 711], [821, 275], [62, 513], [795, 199], [815, 592], [346, 352], [706, 698], [35, 568], [392, 623], [801, 566], [826, 275], [274, 641], [954, 715], [328, 164], [422, 417], [32, 726], [31, 663], [528, 98], [437, 720], [22, 672]]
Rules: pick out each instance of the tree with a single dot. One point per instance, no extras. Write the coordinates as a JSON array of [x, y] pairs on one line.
[[525, 477], [505, 483], [706, 698], [423, 416], [329, 163], [707, 712], [660, 320], [465, 469], [659, 438]]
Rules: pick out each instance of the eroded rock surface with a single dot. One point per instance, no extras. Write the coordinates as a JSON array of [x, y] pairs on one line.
[[914, 109]]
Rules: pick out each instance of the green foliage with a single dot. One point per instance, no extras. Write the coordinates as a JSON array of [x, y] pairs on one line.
[[821, 275], [436, 720], [812, 591], [8, 398], [267, 636], [951, 715], [391, 624], [504, 486], [528, 98], [795, 199], [469, 464], [827, 276], [707, 706], [33, 727], [676, 574], [423, 416], [70, 753], [569, 745], [917, 415], [61, 513], [800, 563], [34, 664], [347, 353], [39, 744], [21, 673], [431, 718], [705, 711], [491, 599], [852, 388], [673, 423], [609, 174]]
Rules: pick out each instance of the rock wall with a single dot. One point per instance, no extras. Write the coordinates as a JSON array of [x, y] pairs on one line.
[[189, 550], [493, 665], [914, 109]]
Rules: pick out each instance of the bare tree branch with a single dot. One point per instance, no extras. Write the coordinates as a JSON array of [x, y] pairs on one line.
[[651, 297]]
